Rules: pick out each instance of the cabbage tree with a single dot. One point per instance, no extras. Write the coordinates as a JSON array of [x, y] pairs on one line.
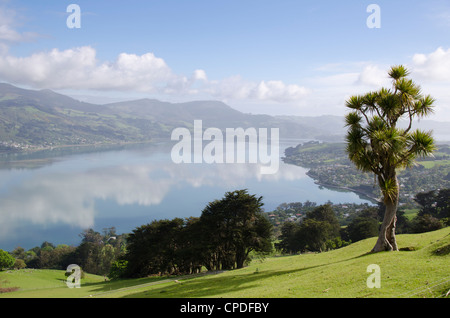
[[375, 143]]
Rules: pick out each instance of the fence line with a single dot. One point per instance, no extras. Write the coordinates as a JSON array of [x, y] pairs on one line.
[[423, 289]]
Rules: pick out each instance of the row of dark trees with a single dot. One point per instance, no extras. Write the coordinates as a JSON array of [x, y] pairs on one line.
[[222, 238], [94, 254], [318, 231]]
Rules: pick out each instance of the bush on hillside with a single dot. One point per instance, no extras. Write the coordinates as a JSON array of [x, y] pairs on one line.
[[6, 260]]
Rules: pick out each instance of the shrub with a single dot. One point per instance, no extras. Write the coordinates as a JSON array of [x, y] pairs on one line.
[[6, 260], [425, 223], [118, 269], [361, 228], [19, 264]]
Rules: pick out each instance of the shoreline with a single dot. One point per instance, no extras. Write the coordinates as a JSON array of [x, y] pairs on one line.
[[22, 155], [32, 149], [362, 194]]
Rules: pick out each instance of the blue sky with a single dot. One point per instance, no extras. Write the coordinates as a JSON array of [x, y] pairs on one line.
[[277, 57]]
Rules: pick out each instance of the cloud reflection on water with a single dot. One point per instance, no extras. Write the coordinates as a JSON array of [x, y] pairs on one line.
[[57, 194]]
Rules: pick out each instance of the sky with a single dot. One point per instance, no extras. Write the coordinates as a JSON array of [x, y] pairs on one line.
[[284, 57]]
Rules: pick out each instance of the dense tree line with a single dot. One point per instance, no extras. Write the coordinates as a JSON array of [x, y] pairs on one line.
[[94, 254], [161, 246], [222, 238], [434, 212], [319, 231]]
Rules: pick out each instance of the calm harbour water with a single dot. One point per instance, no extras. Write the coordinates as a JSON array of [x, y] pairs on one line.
[[53, 198]]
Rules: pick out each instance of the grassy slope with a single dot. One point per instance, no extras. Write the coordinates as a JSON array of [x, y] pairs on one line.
[[423, 271], [432, 163]]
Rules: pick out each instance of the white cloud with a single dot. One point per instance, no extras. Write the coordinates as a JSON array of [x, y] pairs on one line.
[[79, 68], [373, 75], [236, 88], [431, 71], [335, 83], [278, 91], [434, 66], [200, 75]]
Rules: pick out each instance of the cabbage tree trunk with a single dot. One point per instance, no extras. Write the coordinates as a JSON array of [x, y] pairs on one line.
[[386, 238]]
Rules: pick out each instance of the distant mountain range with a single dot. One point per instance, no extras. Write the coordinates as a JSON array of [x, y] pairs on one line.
[[43, 118]]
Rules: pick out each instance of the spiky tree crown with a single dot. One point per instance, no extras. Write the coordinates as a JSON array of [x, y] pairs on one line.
[[374, 142]]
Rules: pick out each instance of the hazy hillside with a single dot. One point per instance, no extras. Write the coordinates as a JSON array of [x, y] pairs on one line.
[[212, 113], [333, 127], [43, 118]]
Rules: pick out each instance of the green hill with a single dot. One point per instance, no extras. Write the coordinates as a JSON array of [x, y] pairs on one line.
[[43, 118], [419, 269], [31, 119]]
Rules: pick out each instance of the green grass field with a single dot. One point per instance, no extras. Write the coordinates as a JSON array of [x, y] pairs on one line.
[[410, 213], [432, 163], [420, 269]]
